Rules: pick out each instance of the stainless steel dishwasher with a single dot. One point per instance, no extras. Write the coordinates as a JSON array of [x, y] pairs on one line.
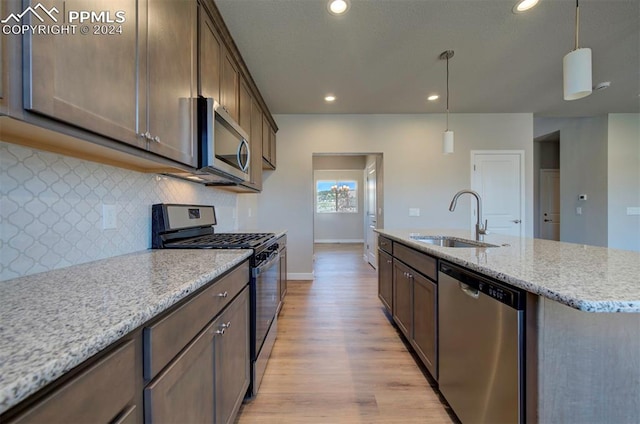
[[481, 345]]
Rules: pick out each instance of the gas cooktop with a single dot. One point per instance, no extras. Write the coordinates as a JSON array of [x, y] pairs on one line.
[[224, 241]]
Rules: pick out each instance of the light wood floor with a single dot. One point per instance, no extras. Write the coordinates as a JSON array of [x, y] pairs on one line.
[[337, 358]]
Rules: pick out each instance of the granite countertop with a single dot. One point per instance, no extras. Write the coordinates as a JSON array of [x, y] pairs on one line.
[[52, 321], [587, 278]]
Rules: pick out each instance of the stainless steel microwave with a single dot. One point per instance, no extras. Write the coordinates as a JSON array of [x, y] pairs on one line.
[[224, 146]]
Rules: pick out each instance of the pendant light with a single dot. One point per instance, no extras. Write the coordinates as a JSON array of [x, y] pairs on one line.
[[577, 68], [447, 137]]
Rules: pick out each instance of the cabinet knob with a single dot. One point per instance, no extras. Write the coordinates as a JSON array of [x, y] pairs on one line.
[[225, 294], [227, 325], [220, 332], [147, 135], [388, 261], [156, 139]]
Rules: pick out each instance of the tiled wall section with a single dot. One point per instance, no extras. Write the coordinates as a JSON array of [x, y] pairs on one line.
[[51, 209]]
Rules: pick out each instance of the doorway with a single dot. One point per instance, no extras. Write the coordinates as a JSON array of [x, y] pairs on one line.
[[546, 186], [347, 200], [549, 204]]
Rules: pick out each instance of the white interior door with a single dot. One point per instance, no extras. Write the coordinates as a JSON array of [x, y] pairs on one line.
[[498, 176], [371, 217], [550, 204]]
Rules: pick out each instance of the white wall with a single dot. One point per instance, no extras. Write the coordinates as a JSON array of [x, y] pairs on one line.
[[416, 174], [583, 170], [340, 227], [51, 209], [624, 180]]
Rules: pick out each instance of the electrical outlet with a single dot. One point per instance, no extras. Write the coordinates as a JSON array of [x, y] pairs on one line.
[[414, 211], [109, 217]]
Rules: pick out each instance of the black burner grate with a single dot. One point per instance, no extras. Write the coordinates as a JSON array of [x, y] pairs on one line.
[[225, 240]]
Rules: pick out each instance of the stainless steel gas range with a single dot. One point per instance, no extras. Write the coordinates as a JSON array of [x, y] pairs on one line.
[[192, 227]]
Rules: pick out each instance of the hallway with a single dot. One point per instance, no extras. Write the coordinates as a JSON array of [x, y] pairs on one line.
[[337, 358]]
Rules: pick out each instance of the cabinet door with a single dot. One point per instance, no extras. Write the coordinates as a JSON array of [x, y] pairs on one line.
[[183, 392], [385, 279], [425, 295], [231, 358], [210, 51], [272, 146], [266, 143], [403, 298], [229, 86], [244, 105], [89, 80], [171, 79], [256, 145]]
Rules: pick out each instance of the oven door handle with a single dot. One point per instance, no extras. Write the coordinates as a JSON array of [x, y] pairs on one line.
[[266, 265]]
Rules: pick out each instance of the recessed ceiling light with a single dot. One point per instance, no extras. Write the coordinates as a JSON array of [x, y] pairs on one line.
[[330, 98], [433, 97], [524, 5], [338, 7], [602, 86]]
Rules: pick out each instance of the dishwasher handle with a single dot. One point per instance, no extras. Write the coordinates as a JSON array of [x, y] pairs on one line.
[[469, 291]]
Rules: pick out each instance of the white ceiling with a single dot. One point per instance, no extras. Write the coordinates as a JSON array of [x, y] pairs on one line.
[[382, 56]]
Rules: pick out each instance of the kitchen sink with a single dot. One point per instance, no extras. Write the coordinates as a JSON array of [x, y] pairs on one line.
[[444, 241]]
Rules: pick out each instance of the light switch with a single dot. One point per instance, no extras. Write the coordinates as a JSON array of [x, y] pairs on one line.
[[414, 211], [633, 211], [109, 217], [578, 210]]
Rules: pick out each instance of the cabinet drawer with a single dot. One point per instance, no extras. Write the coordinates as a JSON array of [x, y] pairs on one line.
[[98, 395], [422, 262], [164, 339], [385, 244]]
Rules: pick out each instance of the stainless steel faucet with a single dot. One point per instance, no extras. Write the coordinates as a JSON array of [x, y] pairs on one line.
[[480, 229]]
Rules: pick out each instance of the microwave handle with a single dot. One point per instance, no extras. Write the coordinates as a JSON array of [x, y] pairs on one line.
[[243, 166]]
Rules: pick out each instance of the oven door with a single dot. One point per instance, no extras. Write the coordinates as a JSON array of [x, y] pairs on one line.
[[266, 276]]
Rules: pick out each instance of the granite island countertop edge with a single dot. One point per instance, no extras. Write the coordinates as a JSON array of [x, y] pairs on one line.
[[535, 269]]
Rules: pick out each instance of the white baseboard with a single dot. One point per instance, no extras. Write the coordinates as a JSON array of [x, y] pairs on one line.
[[300, 276], [339, 241]]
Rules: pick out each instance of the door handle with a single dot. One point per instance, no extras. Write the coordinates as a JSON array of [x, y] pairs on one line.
[[517, 221], [548, 220]]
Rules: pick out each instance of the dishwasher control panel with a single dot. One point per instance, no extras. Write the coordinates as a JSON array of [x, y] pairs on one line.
[[501, 292]]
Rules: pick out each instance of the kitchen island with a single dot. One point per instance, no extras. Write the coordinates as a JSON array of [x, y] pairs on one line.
[[54, 321], [582, 329]]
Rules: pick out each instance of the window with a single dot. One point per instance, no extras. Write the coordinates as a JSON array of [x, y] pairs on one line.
[[336, 196]]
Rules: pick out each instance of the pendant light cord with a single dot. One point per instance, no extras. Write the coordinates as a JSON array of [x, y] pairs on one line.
[[447, 92], [577, 22]]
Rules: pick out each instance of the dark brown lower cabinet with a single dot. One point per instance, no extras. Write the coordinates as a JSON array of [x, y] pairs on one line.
[[385, 279], [207, 381], [183, 392], [415, 312], [103, 393], [403, 298], [425, 297], [231, 352]]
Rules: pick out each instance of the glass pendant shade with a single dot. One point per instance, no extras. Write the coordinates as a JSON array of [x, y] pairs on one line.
[[447, 142], [577, 74]]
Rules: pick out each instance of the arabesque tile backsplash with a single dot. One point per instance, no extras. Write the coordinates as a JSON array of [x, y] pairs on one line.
[[51, 209]]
